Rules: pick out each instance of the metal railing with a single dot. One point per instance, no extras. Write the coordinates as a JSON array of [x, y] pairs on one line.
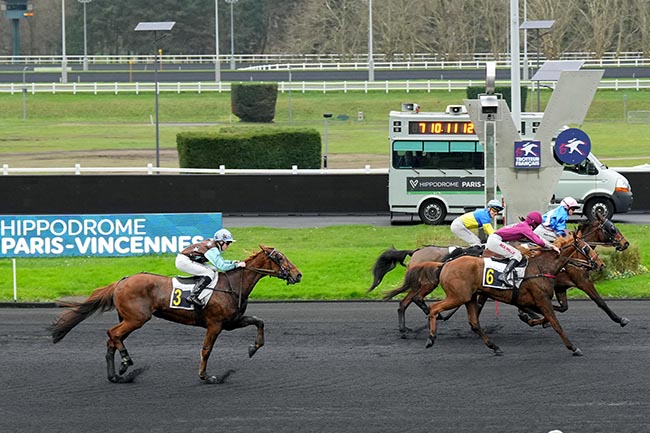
[[290, 86]]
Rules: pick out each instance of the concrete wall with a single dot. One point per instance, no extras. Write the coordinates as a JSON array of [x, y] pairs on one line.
[[229, 194]]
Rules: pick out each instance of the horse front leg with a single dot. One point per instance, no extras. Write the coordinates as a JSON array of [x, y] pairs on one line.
[[589, 288], [547, 310], [247, 321], [561, 296]]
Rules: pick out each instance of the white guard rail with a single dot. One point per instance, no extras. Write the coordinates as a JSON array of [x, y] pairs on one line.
[[289, 86], [150, 169], [222, 170]]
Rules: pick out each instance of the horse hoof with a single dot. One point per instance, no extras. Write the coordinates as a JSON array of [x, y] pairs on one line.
[[577, 352], [498, 352], [217, 380], [430, 342], [251, 350], [624, 321]]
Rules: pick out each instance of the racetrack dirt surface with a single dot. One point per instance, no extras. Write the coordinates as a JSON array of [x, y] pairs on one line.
[[333, 367]]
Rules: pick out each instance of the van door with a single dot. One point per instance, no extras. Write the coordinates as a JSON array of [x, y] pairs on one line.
[[577, 181]]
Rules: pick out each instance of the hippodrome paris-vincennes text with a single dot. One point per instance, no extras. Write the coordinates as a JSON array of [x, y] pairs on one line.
[[30, 237]]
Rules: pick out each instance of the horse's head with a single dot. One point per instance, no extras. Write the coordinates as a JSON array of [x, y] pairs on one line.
[[603, 231], [278, 265], [580, 253]]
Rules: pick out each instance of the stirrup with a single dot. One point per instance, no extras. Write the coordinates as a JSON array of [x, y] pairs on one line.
[[194, 299], [505, 280]]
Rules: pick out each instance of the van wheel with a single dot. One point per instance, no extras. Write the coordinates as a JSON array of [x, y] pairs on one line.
[[433, 212], [598, 205]]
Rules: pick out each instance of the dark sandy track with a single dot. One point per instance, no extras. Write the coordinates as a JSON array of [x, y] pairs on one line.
[[333, 367]]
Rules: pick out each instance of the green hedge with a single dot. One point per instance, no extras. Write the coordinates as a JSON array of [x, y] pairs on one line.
[[273, 148], [474, 91], [254, 102]]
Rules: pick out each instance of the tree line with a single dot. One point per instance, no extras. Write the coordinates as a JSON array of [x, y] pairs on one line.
[[446, 28]]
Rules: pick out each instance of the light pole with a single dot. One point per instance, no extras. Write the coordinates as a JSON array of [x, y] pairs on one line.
[[156, 27], [232, 34], [85, 35], [537, 25], [217, 64], [327, 117], [371, 61], [64, 59]]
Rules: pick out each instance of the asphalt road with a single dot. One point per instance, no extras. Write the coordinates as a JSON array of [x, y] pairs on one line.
[[333, 367], [205, 73]]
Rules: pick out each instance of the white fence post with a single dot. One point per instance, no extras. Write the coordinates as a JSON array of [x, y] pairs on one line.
[[13, 264]]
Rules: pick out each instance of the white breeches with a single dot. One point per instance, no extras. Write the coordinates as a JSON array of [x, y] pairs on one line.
[[459, 229], [183, 263], [497, 245], [545, 233]]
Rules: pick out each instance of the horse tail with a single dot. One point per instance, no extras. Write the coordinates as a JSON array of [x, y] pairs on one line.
[[426, 273], [100, 300], [386, 262]]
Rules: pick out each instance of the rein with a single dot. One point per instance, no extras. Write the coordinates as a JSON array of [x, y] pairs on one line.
[[611, 239], [281, 274], [588, 264]]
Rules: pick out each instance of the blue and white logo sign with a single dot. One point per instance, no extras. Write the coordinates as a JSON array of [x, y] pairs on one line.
[[103, 235], [528, 154], [572, 146]]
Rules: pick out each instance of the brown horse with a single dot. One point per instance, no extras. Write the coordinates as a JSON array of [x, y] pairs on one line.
[[598, 232], [138, 297], [463, 280]]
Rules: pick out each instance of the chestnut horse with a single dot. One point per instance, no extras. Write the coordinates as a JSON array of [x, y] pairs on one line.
[[462, 280], [138, 297], [598, 232]]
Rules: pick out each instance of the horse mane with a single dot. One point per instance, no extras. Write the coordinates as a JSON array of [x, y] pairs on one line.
[[562, 241], [263, 248], [559, 242], [583, 225]]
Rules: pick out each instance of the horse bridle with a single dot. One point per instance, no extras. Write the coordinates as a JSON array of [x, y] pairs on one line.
[[282, 273], [610, 231], [589, 263]]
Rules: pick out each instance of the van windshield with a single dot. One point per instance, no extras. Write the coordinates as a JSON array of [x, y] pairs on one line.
[[596, 161]]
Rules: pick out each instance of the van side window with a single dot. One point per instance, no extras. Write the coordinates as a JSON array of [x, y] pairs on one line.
[[441, 155], [584, 168]]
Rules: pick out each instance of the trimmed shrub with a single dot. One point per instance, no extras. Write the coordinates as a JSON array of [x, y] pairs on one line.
[[254, 102], [619, 264], [258, 148]]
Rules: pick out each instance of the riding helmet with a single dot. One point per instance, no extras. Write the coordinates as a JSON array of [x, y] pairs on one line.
[[223, 235], [495, 204], [569, 203], [534, 218]]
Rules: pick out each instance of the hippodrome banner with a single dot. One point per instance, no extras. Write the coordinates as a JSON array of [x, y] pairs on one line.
[[103, 235]]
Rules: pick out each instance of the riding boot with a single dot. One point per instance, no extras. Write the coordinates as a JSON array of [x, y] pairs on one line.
[[505, 275], [200, 284]]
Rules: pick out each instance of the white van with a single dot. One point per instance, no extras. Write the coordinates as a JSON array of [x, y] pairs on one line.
[[597, 188], [437, 168]]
